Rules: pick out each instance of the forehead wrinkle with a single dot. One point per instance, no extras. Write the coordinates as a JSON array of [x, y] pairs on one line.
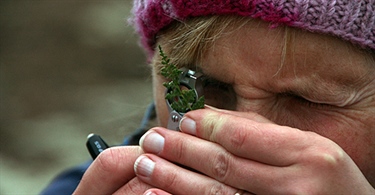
[[325, 92], [331, 75], [308, 84]]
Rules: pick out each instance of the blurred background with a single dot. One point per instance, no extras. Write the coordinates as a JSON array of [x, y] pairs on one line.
[[67, 68]]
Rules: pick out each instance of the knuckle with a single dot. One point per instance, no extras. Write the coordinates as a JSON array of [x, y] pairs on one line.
[[332, 158], [217, 189], [108, 160], [178, 149], [220, 166], [171, 179], [238, 138], [135, 186], [319, 161], [328, 157]]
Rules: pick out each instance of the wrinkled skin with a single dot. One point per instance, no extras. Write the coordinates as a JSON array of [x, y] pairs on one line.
[[304, 127]]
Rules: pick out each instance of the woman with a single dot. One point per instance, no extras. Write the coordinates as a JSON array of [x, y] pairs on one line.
[[295, 84]]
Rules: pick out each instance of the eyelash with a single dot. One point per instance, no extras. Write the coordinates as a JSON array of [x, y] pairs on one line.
[[227, 92], [304, 102]]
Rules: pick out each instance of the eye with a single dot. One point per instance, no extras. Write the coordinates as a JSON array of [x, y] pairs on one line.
[[300, 101], [219, 94]]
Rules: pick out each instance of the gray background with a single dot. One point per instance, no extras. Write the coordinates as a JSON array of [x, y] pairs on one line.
[[67, 68]]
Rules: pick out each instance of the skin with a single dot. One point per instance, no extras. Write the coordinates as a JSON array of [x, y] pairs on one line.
[[303, 127]]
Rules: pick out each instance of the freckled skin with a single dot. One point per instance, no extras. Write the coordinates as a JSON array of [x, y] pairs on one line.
[[318, 68]]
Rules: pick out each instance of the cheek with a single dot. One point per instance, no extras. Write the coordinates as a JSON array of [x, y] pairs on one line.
[[161, 106], [359, 142]]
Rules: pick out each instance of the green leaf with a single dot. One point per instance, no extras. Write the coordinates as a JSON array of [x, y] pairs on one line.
[[182, 100]]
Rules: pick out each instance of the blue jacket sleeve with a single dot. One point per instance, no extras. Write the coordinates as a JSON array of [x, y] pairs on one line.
[[67, 181]]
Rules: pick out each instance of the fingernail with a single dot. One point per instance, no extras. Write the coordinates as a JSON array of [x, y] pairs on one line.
[[144, 166], [149, 193], [152, 142], [188, 125]]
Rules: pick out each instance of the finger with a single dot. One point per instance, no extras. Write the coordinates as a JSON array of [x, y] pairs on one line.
[[134, 187], [249, 115], [319, 167], [176, 180], [111, 170], [213, 160], [268, 143]]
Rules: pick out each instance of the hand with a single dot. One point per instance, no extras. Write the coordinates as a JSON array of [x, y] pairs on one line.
[[112, 172], [244, 151]]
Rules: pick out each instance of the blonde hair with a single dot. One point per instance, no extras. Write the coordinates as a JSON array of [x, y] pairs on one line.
[[186, 42]]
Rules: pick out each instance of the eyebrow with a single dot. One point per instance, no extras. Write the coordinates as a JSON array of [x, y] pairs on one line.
[[191, 66]]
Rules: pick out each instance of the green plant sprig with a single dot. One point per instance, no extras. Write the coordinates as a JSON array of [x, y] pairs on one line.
[[182, 100]]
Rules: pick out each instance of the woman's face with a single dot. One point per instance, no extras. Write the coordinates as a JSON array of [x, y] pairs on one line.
[[313, 83]]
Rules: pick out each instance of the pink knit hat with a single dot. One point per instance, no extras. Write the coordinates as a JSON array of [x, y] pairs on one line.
[[351, 20]]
